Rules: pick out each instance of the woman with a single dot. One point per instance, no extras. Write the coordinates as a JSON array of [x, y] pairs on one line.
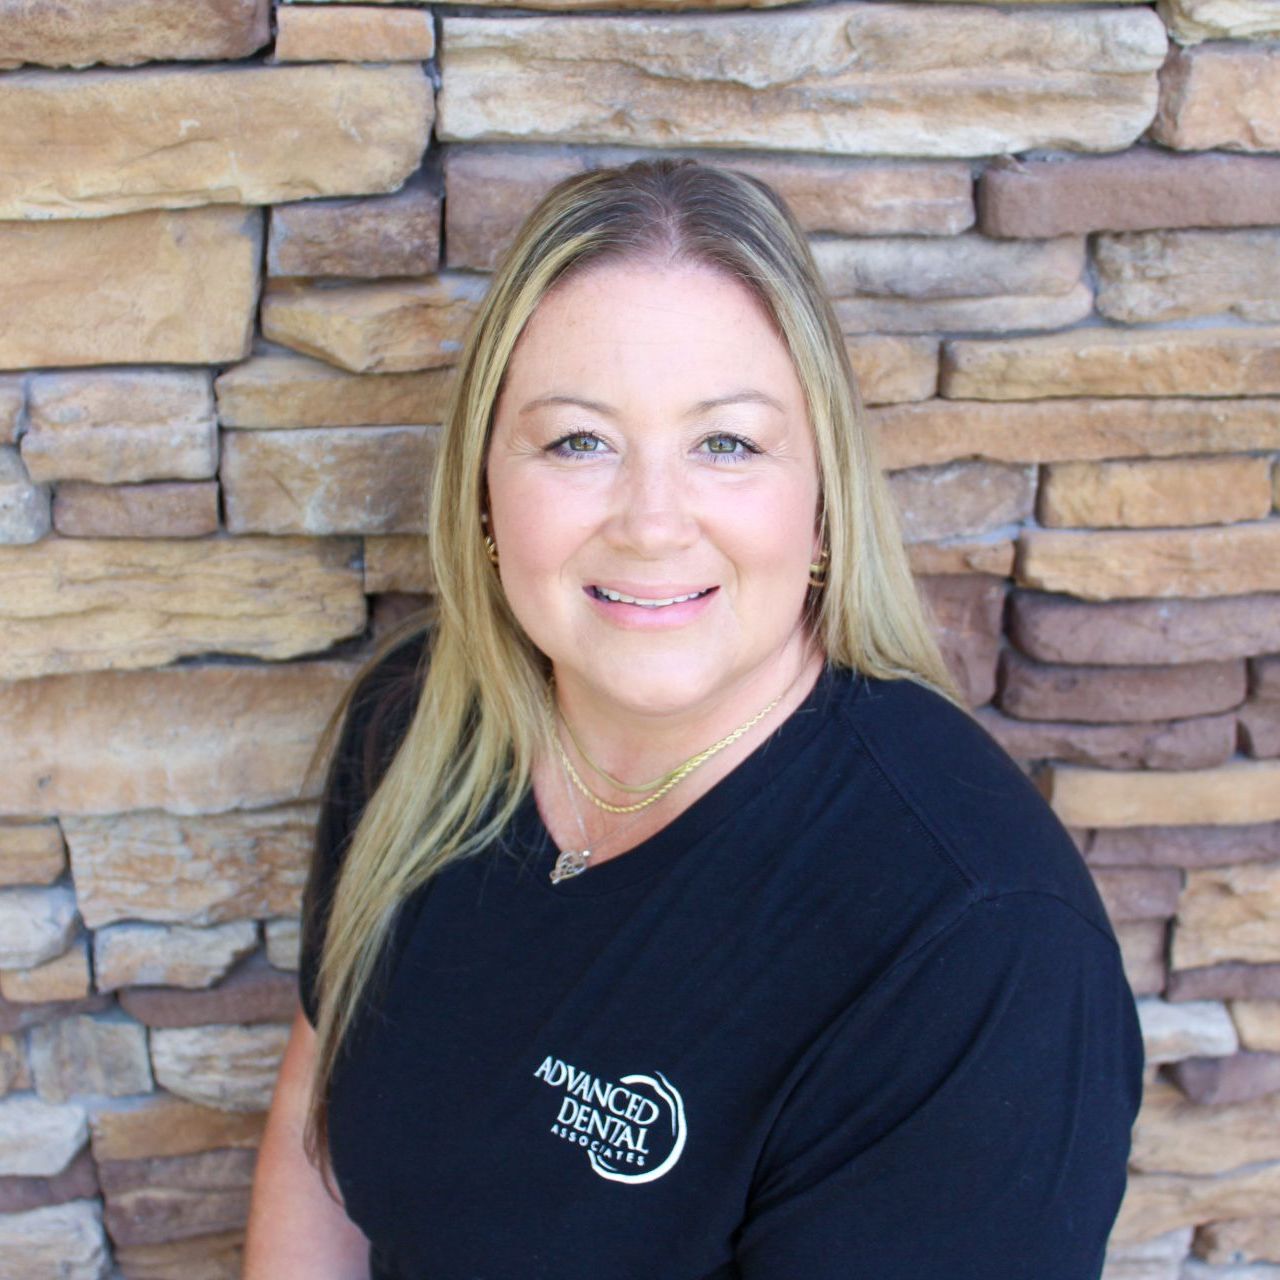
[[670, 917]]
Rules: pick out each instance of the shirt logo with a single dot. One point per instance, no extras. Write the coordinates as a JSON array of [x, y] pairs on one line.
[[633, 1130]]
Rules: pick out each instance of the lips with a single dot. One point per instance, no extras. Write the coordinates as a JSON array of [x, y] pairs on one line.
[[655, 598]]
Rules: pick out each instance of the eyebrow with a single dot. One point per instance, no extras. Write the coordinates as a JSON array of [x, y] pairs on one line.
[[747, 395]]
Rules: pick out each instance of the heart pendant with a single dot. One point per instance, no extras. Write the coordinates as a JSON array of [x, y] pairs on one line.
[[569, 863]]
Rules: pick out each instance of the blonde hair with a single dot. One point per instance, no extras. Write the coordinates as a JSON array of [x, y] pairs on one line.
[[464, 764]]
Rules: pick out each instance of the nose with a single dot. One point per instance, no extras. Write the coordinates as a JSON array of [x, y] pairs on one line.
[[653, 513]]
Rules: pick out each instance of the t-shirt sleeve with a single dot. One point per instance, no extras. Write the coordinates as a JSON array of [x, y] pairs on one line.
[[969, 1118]]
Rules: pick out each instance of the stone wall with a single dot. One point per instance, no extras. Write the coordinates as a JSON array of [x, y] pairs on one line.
[[240, 245]]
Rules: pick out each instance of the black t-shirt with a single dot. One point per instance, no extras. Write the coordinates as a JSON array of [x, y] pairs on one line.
[[858, 1011]]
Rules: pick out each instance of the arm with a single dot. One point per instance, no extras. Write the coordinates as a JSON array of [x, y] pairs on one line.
[[296, 1230]]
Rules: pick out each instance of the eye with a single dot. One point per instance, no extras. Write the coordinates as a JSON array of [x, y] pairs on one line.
[[725, 447], [578, 444]]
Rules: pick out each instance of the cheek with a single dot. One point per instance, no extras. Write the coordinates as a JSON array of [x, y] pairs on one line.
[[537, 532]]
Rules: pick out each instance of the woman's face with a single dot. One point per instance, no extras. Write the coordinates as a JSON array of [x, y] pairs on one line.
[[652, 443]]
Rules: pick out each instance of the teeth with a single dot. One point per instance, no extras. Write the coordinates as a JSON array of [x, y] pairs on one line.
[[647, 604]]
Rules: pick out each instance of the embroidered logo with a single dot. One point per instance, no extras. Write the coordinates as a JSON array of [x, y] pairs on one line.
[[633, 1130]]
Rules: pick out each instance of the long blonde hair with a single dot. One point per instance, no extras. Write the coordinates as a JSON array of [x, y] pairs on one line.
[[480, 721]]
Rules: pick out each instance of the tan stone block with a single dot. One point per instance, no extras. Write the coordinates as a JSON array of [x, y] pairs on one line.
[[24, 505], [369, 237], [213, 1257], [284, 937], [66, 977], [399, 562], [13, 1066], [193, 740], [327, 480], [1146, 276], [254, 992], [1220, 97], [890, 369], [230, 1067], [1139, 893], [78, 1181], [129, 955], [296, 391], [194, 870], [31, 853], [162, 1125], [1228, 913], [12, 399], [1239, 558], [85, 1055], [1059, 629], [38, 1138], [960, 498], [858, 79], [1258, 1022], [1160, 1258], [353, 33], [913, 435], [1145, 189], [1116, 362], [998, 313], [1191, 21], [127, 32], [78, 605], [1171, 1032], [1240, 792], [993, 557], [1245, 1240], [63, 1240], [1142, 948], [108, 142], [1240, 1078], [35, 925], [1157, 1202], [1172, 1135], [136, 510], [375, 328], [965, 612], [169, 287]]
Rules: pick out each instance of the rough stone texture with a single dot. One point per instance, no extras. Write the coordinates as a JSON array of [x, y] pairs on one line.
[[15, 1017], [174, 1197], [128, 955], [1220, 97], [200, 740], [1157, 1259], [1196, 1029], [1139, 893], [86, 1055], [1246, 1240], [393, 327], [998, 313], [1173, 1135], [13, 1066], [1265, 677], [296, 391], [66, 977], [1191, 21], [24, 505], [39, 1139], [961, 498], [1157, 1202], [1142, 946], [162, 1125], [398, 562], [1031, 691], [127, 32], [254, 992], [1149, 276], [1228, 981], [1240, 792], [1140, 190], [1258, 1022], [1060, 629], [1228, 913], [1260, 729], [78, 1181], [215, 1257], [1241, 1078], [1199, 743], [1234, 560], [31, 853], [61, 1242], [193, 870], [80, 605], [169, 287], [395, 235], [353, 33], [890, 369], [109, 142], [121, 425], [324, 480], [966, 612], [12, 400], [230, 1067], [993, 556], [35, 925], [491, 189], [882, 79], [284, 938], [912, 435], [136, 510]]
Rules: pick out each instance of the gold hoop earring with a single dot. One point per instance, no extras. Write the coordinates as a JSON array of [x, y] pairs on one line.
[[818, 570], [490, 547]]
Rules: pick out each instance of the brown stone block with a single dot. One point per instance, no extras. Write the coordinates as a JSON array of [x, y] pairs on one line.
[[393, 610], [78, 1181], [127, 32], [1174, 1135], [1142, 947], [1133, 632], [1243, 1241], [170, 287], [327, 480], [295, 391], [913, 435], [1264, 677], [965, 611], [1144, 189], [961, 556], [1139, 893], [193, 870], [353, 33], [136, 510], [162, 1125], [1236, 560], [24, 505], [64, 978], [84, 1055], [1149, 276], [17, 1017], [78, 605], [891, 369], [31, 852], [962, 498], [190, 740], [1158, 1202], [215, 1257], [395, 235], [391, 327], [1229, 981], [14, 1075], [1219, 1081], [1220, 96], [1260, 729], [399, 562], [1189, 846], [12, 399], [1229, 913], [254, 992], [998, 313], [1032, 691]]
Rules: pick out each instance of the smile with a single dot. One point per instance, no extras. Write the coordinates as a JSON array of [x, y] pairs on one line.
[[620, 597]]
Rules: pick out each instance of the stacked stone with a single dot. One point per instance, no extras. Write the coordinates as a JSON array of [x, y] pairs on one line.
[[242, 246]]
